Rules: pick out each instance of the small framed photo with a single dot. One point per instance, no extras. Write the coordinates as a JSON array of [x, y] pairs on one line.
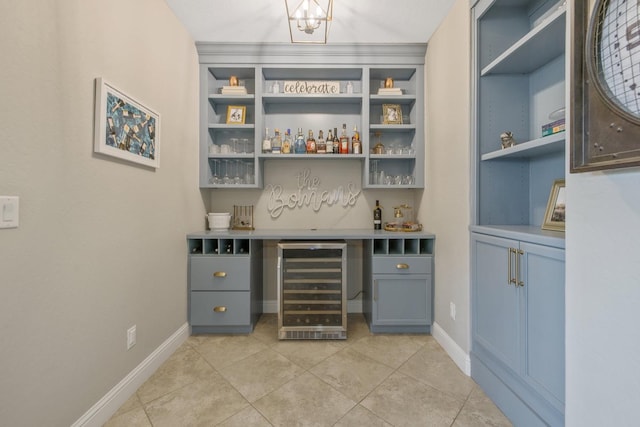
[[554, 217], [392, 114], [236, 114], [124, 127]]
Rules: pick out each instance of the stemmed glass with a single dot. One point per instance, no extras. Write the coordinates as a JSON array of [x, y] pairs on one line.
[[226, 179], [236, 178], [374, 172], [215, 179]]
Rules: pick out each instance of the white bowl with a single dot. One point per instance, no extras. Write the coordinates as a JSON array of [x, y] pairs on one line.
[[219, 221]]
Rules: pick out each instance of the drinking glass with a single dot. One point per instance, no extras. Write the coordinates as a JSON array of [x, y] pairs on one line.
[[227, 179], [237, 179], [234, 145]]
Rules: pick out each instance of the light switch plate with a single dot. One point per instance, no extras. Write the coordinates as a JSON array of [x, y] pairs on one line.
[[9, 211]]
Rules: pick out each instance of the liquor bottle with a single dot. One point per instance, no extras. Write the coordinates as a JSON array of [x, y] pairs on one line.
[[321, 144], [300, 146], [377, 216], [336, 141], [276, 143], [344, 140], [266, 142], [329, 143], [286, 144], [311, 143], [356, 144]]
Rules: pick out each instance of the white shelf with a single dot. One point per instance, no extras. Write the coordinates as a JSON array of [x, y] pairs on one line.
[[226, 126], [548, 144], [392, 99], [313, 156], [392, 127], [232, 99], [282, 98], [391, 156], [536, 48]]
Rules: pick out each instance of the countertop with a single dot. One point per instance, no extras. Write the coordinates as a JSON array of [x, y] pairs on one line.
[[310, 233]]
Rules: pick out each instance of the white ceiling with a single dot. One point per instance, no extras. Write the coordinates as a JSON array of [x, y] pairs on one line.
[[354, 21]]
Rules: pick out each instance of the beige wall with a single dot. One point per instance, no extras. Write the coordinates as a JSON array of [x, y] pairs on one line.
[[101, 243], [445, 205]]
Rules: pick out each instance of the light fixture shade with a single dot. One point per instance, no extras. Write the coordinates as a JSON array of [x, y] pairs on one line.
[[309, 20]]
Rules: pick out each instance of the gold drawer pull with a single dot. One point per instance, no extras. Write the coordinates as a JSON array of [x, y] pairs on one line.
[[220, 309], [220, 274], [402, 266]]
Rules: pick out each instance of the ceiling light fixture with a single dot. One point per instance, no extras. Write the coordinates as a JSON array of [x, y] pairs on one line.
[[309, 21]]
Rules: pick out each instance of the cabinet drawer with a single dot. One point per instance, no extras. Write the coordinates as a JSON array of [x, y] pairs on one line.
[[220, 274], [401, 265], [220, 308]]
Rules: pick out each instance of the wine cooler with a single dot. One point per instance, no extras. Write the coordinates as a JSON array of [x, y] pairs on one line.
[[312, 302]]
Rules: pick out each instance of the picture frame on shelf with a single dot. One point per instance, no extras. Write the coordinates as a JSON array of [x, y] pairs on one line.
[[554, 217], [392, 114], [124, 127], [236, 114]]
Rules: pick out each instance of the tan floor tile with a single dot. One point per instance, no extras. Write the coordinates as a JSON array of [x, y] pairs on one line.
[[304, 401], [223, 350], [132, 403], [208, 401], [260, 373], [434, 367], [306, 353], [267, 329], [392, 350], [402, 401], [183, 367], [479, 411], [352, 373], [133, 418], [248, 417], [361, 417]]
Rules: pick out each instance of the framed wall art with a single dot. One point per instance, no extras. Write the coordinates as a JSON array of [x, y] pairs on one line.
[[606, 86], [392, 114], [236, 114], [124, 127], [554, 217]]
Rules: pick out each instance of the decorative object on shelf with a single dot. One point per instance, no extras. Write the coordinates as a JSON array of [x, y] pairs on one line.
[[219, 220], [124, 127], [507, 139], [606, 117], [388, 88], [233, 81], [392, 114], [554, 217], [403, 220], [379, 147], [236, 114], [309, 20], [243, 217], [310, 87]]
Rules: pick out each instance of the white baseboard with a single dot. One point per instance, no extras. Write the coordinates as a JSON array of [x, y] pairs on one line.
[[271, 306], [452, 348], [118, 395]]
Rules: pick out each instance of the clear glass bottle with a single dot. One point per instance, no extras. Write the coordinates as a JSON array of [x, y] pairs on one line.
[[321, 144], [286, 143], [276, 143], [266, 142], [329, 142], [300, 145], [311, 143], [344, 140]]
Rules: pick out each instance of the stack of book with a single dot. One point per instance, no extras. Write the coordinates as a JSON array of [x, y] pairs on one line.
[[389, 91], [233, 90], [553, 127]]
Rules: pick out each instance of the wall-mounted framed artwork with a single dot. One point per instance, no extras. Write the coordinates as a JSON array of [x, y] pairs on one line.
[[605, 93], [554, 217], [124, 127]]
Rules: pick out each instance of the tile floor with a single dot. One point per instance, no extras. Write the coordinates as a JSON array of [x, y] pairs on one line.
[[257, 380]]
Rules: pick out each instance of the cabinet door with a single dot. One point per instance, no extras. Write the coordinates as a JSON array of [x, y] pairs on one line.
[[543, 361], [496, 306], [401, 300]]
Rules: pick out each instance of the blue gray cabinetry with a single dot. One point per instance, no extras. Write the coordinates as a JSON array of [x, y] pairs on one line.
[[230, 148], [518, 327], [398, 294], [519, 70], [225, 284]]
